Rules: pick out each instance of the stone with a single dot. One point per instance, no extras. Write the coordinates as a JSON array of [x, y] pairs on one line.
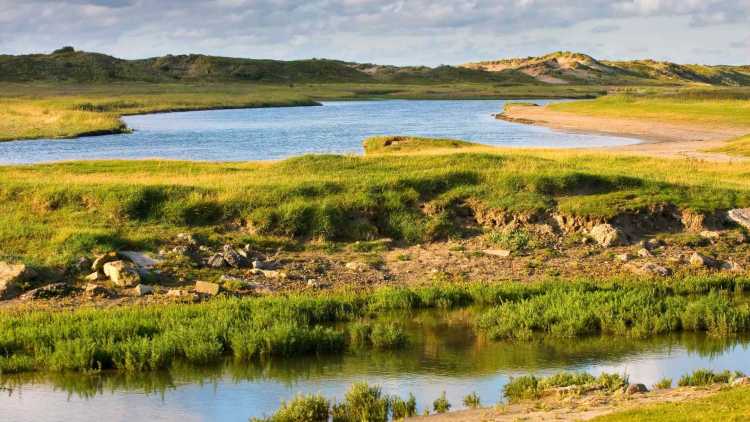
[[731, 266], [606, 235], [233, 258], [740, 216], [700, 261], [269, 273], [264, 265], [140, 259], [652, 244], [216, 261], [49, 291], [501, 253], [636, 389], [186, 239], [644, 253], [96, 290], [142, 290], [652, 269], [207, 288], [625, 257], [101, 260], [356, 266], [81, 265], [710, 234], [313, 283], [741, 381], [11, 277], [95, 276], [122, 273]]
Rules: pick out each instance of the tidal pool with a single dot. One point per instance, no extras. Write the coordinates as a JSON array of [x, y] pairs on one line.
[[445, 354], [275, 133]]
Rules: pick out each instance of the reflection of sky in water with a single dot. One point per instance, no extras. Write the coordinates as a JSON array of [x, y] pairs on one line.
[[274, 133], [455, 368]]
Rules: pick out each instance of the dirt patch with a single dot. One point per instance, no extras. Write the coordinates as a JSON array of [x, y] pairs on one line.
[[573, 408], [659, 139]]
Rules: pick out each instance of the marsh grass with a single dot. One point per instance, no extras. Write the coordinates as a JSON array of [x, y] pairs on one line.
[[529, 387], [703, 377], [150, 337]]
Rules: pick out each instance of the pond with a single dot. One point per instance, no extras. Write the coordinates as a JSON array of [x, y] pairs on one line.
[[444, 354], [275, 133]]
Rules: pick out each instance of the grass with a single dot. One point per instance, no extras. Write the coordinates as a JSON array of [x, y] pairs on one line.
[[530, 387], [405, 144], [728, 405], [703, 377], [739, 146], [51, 214], [64, 110], [716, 107], [150, 337]]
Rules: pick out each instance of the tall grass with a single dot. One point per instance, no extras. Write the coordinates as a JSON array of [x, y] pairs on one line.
[[142, 338]]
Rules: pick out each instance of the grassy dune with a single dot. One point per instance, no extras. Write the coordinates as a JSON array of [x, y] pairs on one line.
[[50, 214], [63, 110]]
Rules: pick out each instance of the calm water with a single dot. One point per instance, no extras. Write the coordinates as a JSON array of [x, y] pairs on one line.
[[444, 355], [273, 133]]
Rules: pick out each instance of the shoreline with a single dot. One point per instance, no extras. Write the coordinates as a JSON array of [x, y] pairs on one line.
[[658, 139]]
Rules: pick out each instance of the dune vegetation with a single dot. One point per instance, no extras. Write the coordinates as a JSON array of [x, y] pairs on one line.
[[53, 213]]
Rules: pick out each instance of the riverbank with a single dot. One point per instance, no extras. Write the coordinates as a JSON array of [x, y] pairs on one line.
[[66, 110], [677, 125]]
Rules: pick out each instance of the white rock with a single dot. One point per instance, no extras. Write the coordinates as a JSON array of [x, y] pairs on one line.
[[606, 235]]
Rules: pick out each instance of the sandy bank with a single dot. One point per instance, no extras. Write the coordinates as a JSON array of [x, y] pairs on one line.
[[659, 139]]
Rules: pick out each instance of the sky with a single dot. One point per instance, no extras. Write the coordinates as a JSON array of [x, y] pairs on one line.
[[399, 32]]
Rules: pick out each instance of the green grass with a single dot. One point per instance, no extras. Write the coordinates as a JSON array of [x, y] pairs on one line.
[[728, 405], [739, 146], [405, 144], [530, 387], [703, 377], [51, 214], [150, 337], [715, 107]]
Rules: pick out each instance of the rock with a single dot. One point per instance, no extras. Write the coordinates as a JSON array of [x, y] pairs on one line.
[[82, 265], [313, 283], [636, 389], [95, 290], [740, 216], [710, 234], [49, 291], [652, 244], [122, 273], [11, 277], [207, 288], [95, 276], [502, 253], [731, 266], [645, 253], [233, 258], [699, 261], [216, 261], [606, 235], [625, 257], [142, 290], [269, 273], [741, 381], [652, 269], [101, 260], [140, 259], [264, 265], [356, 266]]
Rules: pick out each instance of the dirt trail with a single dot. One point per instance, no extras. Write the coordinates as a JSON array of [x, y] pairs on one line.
[[571, 408], [660, 139]]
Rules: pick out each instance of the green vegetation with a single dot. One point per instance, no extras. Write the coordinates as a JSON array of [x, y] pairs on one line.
[[663, 383], [150, 337], [472, 401], [529, 387], [52, 214], [313, 408], [405, 144], [739, 146], [727, 405], [441, 404], [576, 310], [703, 377], [716, 106]]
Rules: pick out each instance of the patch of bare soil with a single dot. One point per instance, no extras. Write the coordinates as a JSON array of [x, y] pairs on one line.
[[659, 139], [573, 408]]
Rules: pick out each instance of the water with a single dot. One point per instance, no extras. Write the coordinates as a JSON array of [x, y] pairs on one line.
[[274, 133], [445, 355]]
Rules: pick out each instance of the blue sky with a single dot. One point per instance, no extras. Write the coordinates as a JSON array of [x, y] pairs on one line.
[[415, 32]]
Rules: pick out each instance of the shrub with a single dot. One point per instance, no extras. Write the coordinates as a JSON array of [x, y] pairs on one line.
[[302, 408], [521, 388], [703, 377], [472, 401], [663, 384], [404, 409], [362, 403], [441, 404]]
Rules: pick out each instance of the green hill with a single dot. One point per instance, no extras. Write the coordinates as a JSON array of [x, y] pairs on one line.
[[576, 68]]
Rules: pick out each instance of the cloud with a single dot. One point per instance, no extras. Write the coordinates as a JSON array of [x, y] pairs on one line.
[[331, 28]]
